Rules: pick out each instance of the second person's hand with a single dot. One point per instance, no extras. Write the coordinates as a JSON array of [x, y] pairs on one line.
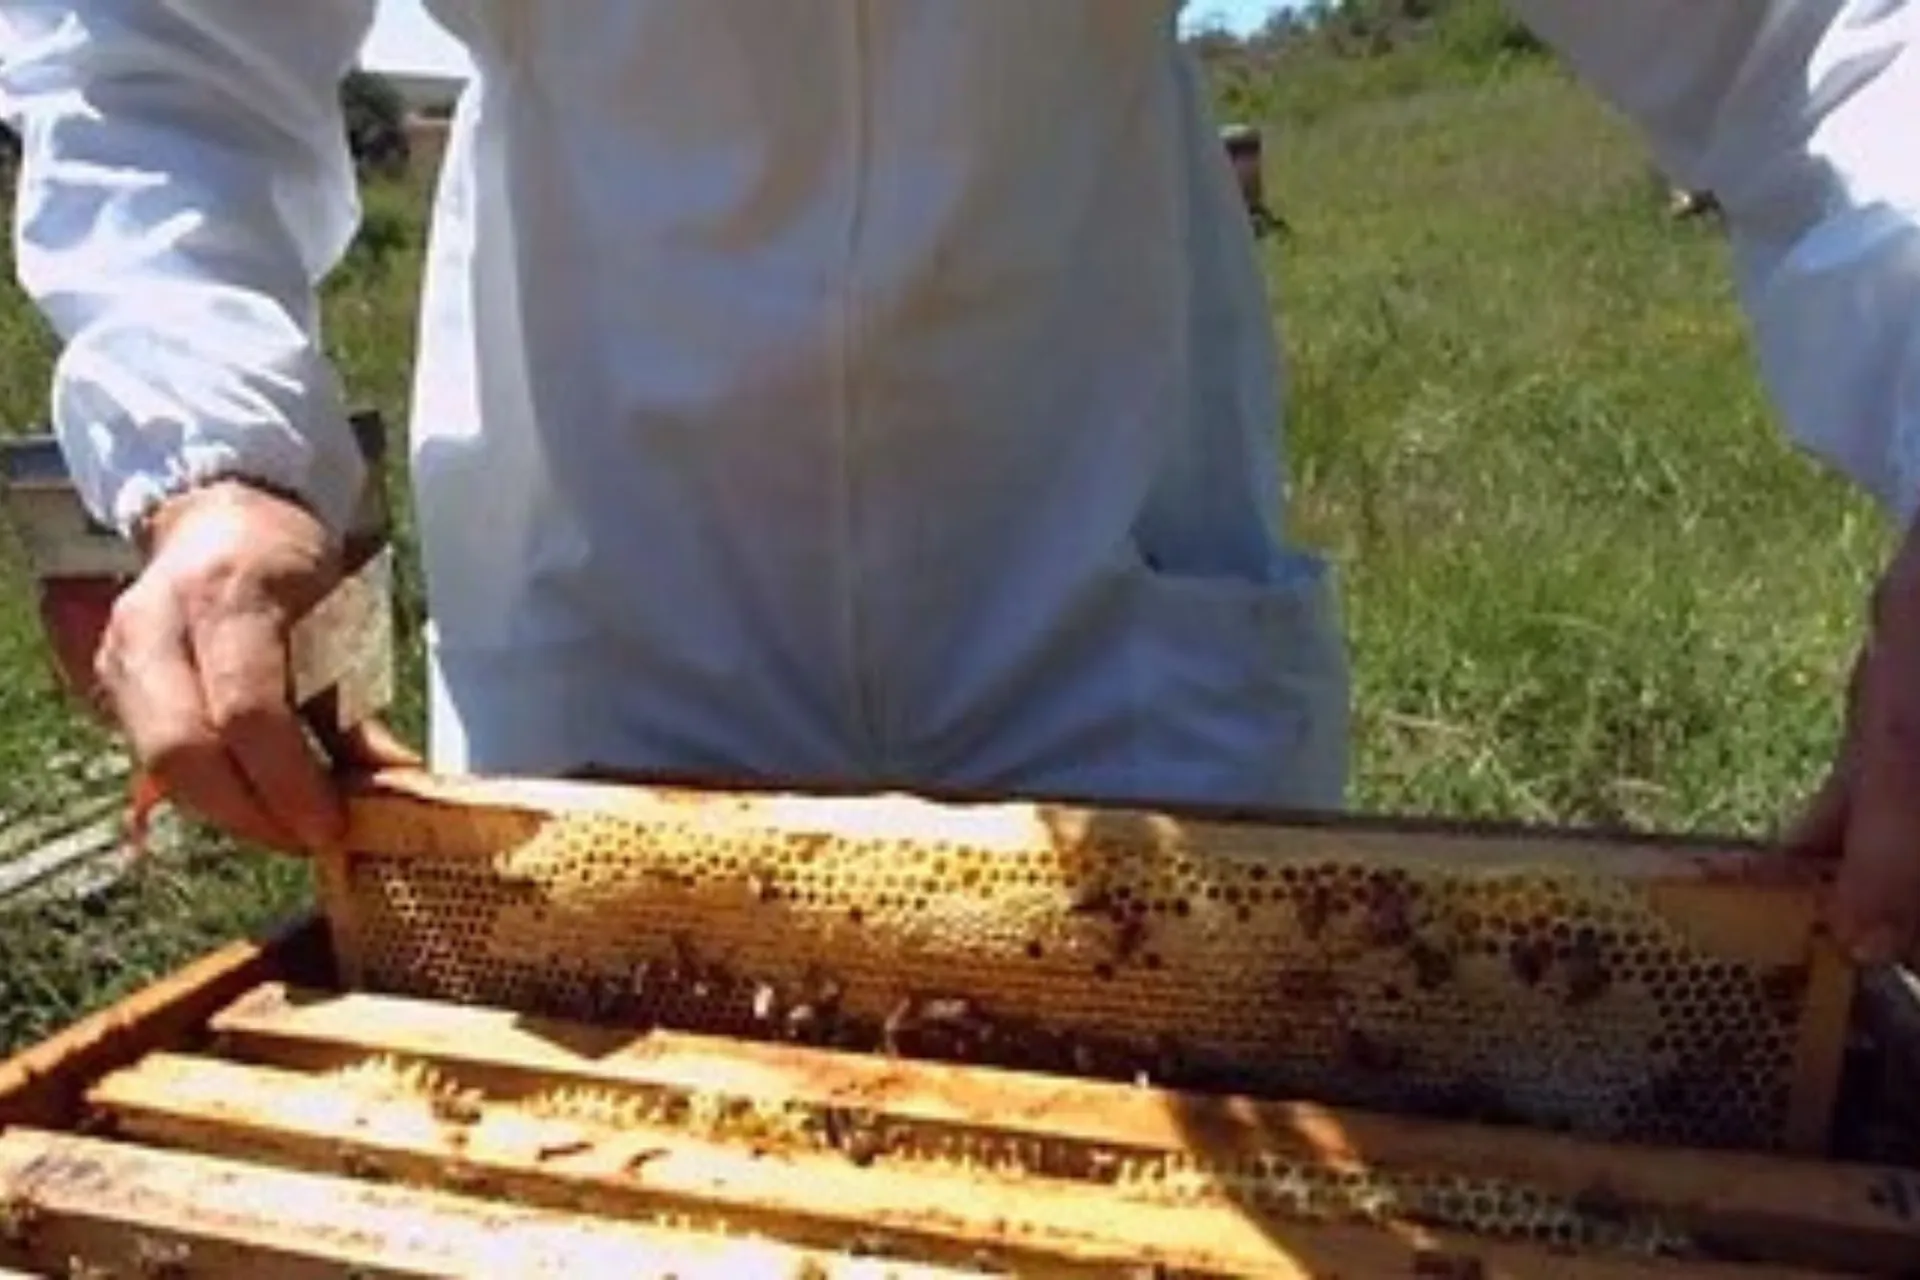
[[1865, 818]]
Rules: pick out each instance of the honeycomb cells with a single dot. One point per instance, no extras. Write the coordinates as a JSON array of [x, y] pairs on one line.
[[1536, 995], [1487, 1207]]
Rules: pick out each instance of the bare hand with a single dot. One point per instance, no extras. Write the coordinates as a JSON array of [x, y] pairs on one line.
[[1866, 815], [193, 665]]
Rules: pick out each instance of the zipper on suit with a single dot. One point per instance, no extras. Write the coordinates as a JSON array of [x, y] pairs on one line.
[[863, 681]]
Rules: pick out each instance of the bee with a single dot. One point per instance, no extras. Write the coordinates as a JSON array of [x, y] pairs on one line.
[[1369, 1054], [1090, 900], [19, 1215], [1529, 960], [455, 1108], [1129, 935], [1587, 976], [1602, 1203], [1786, 984], [161, 1259], [1387, 923], [1432, 965], [1314, 910], [898, 1021], [1437, 1264]]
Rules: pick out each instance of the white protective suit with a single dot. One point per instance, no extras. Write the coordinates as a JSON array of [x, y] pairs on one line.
[[874, 391]]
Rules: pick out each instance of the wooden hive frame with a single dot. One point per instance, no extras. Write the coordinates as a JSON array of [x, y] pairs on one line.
[[252, 1116], [1677, 991]]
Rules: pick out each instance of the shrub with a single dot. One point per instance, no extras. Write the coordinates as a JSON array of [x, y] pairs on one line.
[[376, 116]]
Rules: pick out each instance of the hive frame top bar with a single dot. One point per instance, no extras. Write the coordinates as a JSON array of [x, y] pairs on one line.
[[379, 802]]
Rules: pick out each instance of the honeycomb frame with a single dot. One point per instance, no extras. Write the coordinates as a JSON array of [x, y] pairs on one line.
[[1650, 991]]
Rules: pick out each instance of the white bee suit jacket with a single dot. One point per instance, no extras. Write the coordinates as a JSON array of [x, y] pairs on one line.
[[870, 391]]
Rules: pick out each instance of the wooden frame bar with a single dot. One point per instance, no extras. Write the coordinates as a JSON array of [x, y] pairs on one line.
[[1134, 926], [1822, 1214], [410, 813], [1035, 1227], [144, 1212]]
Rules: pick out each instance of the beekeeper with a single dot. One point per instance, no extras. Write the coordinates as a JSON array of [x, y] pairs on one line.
[[860, 392]]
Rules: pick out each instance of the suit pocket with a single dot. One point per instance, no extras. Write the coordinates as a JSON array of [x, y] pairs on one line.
[[1240, 688]]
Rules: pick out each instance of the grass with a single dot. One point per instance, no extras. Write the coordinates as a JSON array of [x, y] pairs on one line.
[[1586, 577]]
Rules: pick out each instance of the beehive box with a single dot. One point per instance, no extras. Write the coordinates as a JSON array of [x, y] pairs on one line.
[[1003, 1066]]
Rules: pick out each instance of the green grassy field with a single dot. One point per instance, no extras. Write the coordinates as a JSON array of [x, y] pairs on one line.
[[1587, 579]]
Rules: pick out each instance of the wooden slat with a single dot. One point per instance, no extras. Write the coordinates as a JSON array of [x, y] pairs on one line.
[[1039, 1227], [413, 813], [1824, 1214], [42, 1084], [340, 908], [1832, 988], [20, 837], [136, 1211]]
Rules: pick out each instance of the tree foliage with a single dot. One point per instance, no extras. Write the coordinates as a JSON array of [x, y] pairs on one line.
[[376, 117], [1470, 31], [1308, 59]]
